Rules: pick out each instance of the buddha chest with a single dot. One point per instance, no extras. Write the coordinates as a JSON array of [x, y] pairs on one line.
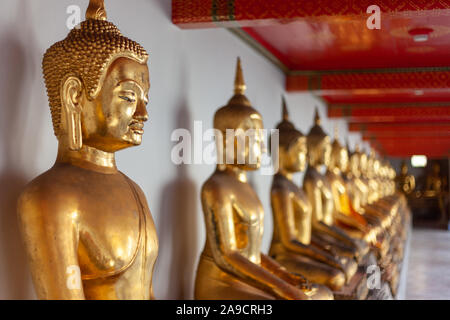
[[116, 234]]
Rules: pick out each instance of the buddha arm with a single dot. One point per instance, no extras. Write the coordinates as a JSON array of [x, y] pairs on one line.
[[333, 232], [274, 267], [284, 214], [223, 242], [350, 220], [344, 211], [375, 210], [412, 183], [315, 198], [50, 233]]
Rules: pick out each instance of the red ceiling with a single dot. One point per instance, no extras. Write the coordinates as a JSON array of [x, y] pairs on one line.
[[392, 88], [337, 43]]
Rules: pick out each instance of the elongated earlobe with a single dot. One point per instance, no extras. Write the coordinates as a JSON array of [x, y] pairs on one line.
[[74, 130], [71, 95]]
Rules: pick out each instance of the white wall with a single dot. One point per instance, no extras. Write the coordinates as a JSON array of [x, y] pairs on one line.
[[191, 74]]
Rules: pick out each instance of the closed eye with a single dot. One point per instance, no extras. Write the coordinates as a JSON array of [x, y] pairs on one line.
[[128, 99]]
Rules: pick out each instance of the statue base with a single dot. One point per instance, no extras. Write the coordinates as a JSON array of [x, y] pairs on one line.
[[356, 289], [384, 293]]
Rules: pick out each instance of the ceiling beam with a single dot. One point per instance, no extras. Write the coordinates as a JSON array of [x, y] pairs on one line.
[[376, 81], [400, 129], [190, 14], [388, 114]]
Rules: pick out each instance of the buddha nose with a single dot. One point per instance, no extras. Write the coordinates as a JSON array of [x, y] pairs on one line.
[[141, 111]]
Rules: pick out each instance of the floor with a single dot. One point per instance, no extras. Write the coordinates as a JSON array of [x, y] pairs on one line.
[[428, 274]]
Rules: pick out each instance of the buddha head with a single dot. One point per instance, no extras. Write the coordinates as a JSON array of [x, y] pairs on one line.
[[404, 168], [362, 162], [97, 82], [373, 165], [392, 174], [292, 144], [339, 155], [386, 170], [355, 162], [319, 146], [240, 127], [436, 169]]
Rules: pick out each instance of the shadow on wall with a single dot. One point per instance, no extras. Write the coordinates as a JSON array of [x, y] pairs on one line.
[[178, 228], [15, 88], [165, 6]]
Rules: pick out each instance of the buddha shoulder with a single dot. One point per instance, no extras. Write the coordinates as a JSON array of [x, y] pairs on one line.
[[221, 186], [65, 186], [214, 187], [312, 178], [283, 186], [47, 194]]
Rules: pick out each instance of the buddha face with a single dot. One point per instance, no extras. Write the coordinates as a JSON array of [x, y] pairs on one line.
[[436, 168], [320, 154], [248, 144], [377, 168], [404, 169], [392, 173], [363, 163], [294, 158], [369, 168], [354, 165], [114, 120], [342, 162], [326, 156]]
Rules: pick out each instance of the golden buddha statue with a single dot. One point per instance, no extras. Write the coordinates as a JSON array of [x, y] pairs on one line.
[[369, 205], [370, 173], [358, 194], [86, 226], [358, 189], [347, 217], [231, 265], [379, 185], [404, 211], [395, 201], [325, 233], [386, 206], [291, 242], [435, 183]]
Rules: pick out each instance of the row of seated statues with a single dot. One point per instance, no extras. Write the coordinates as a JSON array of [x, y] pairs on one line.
[[88, 231]]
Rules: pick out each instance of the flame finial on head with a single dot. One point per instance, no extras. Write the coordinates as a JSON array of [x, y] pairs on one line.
[[284, 112], [288, 134], [336, 132], [336, 144], [96, 10], [239, 84], [317, 117]]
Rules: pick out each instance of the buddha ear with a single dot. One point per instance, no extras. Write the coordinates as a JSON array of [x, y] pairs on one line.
[[71, 106]]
